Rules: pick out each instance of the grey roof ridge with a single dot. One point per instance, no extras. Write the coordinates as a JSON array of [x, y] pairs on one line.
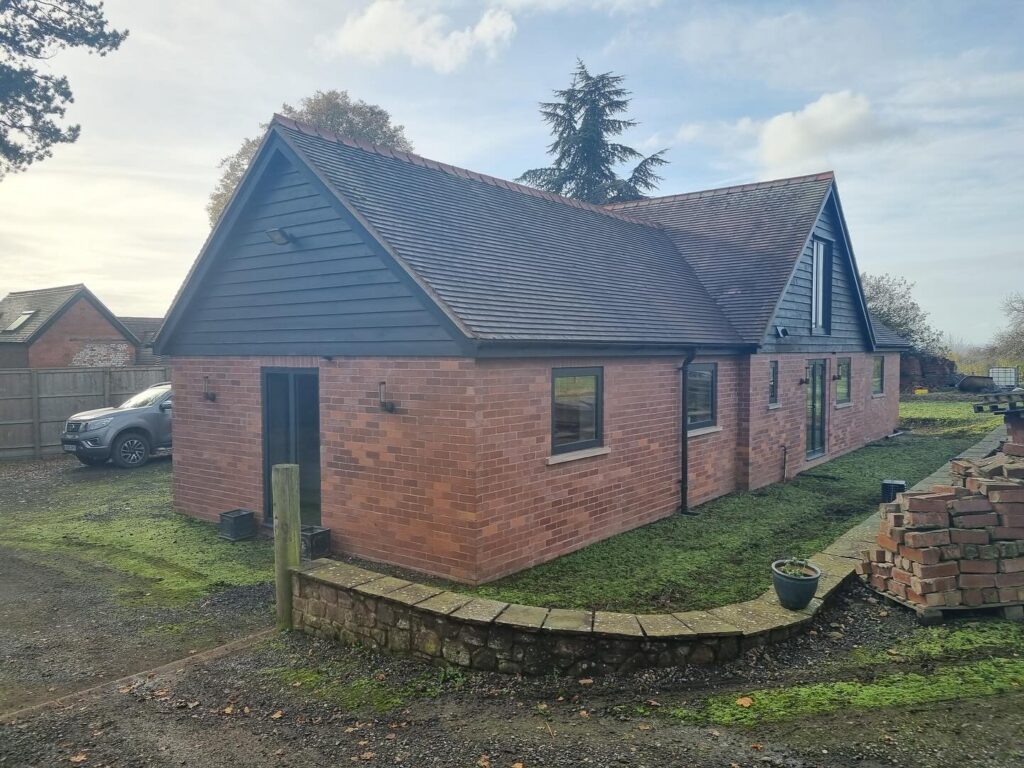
[[453, 170], [820, 176], [52, 289]]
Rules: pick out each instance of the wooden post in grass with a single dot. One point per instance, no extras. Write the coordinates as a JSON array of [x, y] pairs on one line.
[[285, 484]]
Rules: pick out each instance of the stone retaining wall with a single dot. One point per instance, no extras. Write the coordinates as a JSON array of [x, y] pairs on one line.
[[355, 606]]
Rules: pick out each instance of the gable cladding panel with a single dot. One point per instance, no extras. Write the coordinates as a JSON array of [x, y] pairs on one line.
[[848, 331], [516, 265], [328, 291], [742, 241]]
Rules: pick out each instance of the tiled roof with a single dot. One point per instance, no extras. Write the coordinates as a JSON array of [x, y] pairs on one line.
[[43, 303], [886, 336], [145, 329], [743, 241], [515, 263]]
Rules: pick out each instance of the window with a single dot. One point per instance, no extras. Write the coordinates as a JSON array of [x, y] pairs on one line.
[[20, 320], [821, 286], [843, 380], [701, 405], [773, 382], [576, 409], [878, 376]]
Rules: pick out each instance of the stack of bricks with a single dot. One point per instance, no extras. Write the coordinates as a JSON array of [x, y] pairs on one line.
[[959, 545]]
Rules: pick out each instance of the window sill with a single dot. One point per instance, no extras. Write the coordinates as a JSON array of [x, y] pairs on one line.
[[848, 404], [703, 431], [774, 406], [878, 396], [586, 453]]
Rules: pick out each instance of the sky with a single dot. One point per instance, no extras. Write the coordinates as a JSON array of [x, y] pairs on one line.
[[918, 107]]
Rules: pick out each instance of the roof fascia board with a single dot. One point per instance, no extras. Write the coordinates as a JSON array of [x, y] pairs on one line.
[[521, 349], [796, 262], [865, 315], [200, 267], [438, 307], [99, 306]]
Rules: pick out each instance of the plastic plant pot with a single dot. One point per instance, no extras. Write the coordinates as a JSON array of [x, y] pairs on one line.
[[795, 590]]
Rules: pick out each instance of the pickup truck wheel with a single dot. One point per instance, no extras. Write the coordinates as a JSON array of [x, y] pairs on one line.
[[91, 461], [130, 450]]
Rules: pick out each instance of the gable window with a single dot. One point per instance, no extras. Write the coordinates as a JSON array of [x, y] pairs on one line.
[[843, 380], [701, 396], [576, 409], [878, 375], [773, 382], [821, 286]]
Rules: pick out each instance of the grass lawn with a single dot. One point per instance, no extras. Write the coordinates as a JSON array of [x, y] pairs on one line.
[[123, 523], [722, 555]]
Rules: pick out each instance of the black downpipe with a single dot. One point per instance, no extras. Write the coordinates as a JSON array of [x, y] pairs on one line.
[[684, 438]]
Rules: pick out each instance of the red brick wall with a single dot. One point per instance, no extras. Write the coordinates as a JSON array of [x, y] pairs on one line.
[[772, 430], [81, 337], [457, 482]]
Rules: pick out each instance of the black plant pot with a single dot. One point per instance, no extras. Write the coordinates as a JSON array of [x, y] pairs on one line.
[[237, 525], [795, 592], [315, 541]]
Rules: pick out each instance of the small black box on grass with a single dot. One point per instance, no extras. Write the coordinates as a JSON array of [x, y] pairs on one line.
[[890, 488], [237, 525], [316, 542]]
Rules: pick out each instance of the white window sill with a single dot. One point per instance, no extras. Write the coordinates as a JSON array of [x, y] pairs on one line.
[[848, 404], [586, 453], [878, 396], [774, 406], [703, 431]]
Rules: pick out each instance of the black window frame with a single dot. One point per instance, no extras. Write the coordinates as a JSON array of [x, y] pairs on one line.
[[848, 362], [773, 382], [879, 363], [713, 422], [598, 440], [825, 328]]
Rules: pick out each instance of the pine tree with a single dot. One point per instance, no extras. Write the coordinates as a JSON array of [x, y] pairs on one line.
[[583, 120]]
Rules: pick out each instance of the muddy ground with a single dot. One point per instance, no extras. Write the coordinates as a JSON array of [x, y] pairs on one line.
[[67, 624], [294, 701]]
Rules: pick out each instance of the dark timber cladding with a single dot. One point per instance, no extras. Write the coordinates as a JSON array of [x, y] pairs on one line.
[[327, 291], [848, 331]]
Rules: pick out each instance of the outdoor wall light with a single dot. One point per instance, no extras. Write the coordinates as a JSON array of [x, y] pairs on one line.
[[382, 398], [781, 331], [279, 236], [207, 394]]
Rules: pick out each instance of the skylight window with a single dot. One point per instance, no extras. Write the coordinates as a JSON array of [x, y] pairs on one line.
[[20, 320]]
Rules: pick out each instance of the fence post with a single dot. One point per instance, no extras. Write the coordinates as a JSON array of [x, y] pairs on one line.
[[106, 388], [37, 423], [285, 485]]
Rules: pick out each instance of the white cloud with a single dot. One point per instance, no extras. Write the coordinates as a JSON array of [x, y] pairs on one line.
[[804, 140], [605, 6], [388, 29]]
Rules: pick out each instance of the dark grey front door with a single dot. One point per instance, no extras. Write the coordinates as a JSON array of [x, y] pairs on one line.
[[815, 408], [291, 434]]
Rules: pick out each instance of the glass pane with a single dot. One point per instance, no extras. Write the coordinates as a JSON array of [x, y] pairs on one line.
[[575, 409], [843, 384], [700, 396]]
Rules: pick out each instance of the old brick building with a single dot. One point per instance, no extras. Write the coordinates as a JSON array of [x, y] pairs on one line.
[[476, 377], [64, 327]]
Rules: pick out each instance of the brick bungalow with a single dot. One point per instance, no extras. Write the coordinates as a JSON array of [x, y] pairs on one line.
[[476, 377], [63, 327]]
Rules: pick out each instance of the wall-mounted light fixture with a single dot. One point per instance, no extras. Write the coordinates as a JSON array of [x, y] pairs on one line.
[[781, 331], [382, 398], [807, 377], [279, 236], [207, 394]]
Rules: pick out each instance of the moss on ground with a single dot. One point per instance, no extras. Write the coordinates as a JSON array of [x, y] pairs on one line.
[[124, 522], [345, 684], [721, 556], [981, 678], [952, 642], [949, 418]]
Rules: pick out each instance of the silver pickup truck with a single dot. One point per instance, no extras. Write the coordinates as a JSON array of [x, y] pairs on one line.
[[127, 434]]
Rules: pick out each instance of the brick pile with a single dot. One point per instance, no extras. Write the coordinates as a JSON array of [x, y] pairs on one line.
[[959, 545]]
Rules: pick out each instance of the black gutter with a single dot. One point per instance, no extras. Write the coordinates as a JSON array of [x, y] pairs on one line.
[[684, 436]]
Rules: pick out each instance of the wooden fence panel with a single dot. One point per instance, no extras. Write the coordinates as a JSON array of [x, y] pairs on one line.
[[34, 403]]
